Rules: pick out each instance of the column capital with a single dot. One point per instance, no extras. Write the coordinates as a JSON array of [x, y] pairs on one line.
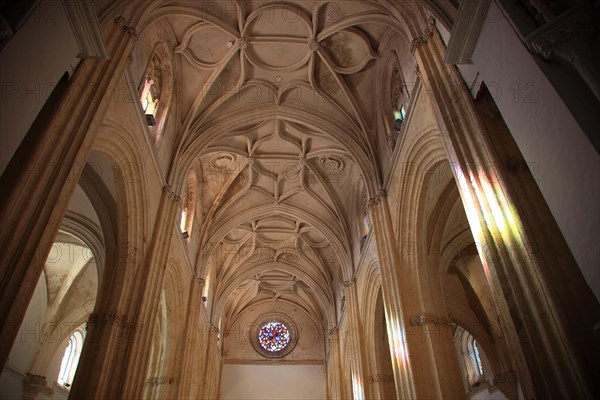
[[507, 384], [381, 378], [349, 282], [104, 318], [421, 40], [160, 380], [168, 189], [126, 330], [199, 280], [552, 39], [33, 385], [126, 27], [426, 318], [379, 196]]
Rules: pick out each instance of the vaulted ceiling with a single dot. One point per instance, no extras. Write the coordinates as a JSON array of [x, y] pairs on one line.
[[284, 109]]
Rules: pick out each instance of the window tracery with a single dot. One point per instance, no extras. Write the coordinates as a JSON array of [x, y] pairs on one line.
[[274, 336]]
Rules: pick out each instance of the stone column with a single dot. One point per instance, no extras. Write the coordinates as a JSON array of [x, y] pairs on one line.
[[147, 288], [392, 295], [379, 381], [193, 354], [101, 365], [212, 371], [39, 180], [334, 373], [428, 342], [116, 352], [546, 308], [356, 334]]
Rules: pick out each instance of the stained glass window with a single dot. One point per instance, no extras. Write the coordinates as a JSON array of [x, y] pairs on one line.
[[274, 336]]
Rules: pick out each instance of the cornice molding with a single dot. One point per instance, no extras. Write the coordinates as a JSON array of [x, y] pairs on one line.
[[466, 31], [86, 28], [550, 39], [421, 40], [425, 318]]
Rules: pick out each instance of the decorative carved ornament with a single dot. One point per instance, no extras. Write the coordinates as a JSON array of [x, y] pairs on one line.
[[424, 319], [162, 380], [421, 40], [130, 30], [381, 378], [199, 280], [172, 195], [350, 282], [553, 39], [378, 197], [333, 331], [213, 329], [331, 164], [33, 385], [127, 330], [104, 318]]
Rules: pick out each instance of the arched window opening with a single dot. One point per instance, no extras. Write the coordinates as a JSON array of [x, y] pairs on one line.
[[150, 99], [399, 99], [188, 205], [399, 116], [274, 336], [156, 89], [470, 358], [70, 359], [477, 358], [398, 106]]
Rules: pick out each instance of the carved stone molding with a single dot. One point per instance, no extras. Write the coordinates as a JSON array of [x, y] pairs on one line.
[[507, 384], [104, 318], [242, 43], [378, 197], [349, 282], [424, 319], [375, 378], [130, 30], [421, 40], [466, 30], [333, 331], [199, 280], [127, 331], [553, 39], [168, 189], [331, 164], [86, 28], [34, 385], [160, 380], [213, 329]]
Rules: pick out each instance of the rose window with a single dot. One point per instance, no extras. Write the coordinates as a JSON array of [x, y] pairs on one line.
[[274, 336]]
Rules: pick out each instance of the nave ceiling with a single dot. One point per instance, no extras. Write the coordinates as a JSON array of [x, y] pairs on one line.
[[277, 108]]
